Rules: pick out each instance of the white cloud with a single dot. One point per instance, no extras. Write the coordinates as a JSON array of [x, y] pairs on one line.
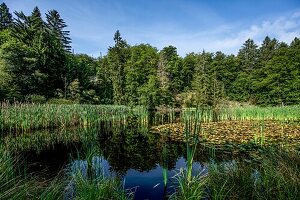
[[226, 38], [92, 27]]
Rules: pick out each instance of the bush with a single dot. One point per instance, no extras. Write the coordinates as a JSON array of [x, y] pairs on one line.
[[35, 98], [60, 101]]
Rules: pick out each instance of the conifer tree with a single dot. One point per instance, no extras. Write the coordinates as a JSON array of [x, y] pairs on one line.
[[117, 58], [57, 26], [5, 17]]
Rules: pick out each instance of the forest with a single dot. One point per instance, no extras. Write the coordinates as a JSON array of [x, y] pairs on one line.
[[37, 65]]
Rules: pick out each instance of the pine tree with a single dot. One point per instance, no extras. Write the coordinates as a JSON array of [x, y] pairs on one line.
[[247, 59]]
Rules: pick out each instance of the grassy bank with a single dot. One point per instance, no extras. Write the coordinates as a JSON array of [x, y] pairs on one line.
[[16, 184], [276, 177]]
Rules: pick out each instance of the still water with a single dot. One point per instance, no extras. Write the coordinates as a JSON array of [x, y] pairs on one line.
[[137, 157]]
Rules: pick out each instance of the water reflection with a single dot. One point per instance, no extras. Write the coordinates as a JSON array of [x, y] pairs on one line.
[[130, 153], [145, 184]]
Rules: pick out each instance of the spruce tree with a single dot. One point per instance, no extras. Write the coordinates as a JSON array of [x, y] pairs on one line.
[[5, 17], [117, 58], [57, 26]]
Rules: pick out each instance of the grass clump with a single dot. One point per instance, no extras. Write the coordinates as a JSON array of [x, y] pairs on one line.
[[192, 188], [277, 177], [12, 184], [98, 188]]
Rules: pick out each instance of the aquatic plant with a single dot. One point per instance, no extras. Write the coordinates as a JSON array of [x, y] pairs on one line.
[[280, 113], [193, 189], [277, 177], [86, 180], [13, 184], [20, 117]]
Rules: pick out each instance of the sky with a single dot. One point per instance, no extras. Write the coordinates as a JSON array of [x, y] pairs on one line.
[[189, 25]]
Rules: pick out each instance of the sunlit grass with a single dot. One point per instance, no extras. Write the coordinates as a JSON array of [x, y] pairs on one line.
[[282, 113], [20, 117]]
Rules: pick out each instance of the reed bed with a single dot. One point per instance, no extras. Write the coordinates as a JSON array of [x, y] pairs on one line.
[[277, 177], [20, 117], [86, 179], [282, 113]]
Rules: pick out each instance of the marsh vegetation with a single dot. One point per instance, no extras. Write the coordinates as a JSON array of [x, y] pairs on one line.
[[113, 152]]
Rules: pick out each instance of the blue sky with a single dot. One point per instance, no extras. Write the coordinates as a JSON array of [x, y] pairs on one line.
[[190, 25]]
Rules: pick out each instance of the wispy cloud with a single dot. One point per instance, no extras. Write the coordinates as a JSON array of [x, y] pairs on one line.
[[191, 26], [227, 38]]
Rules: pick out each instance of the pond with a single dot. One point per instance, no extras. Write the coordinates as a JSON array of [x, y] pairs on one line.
[[133, 154]]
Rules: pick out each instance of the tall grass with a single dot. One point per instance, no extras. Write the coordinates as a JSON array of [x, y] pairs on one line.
[[164, 115], [90, 185], [86, 180], [282, 113], [191, 133], [13, 184], [194, 189], [20, 117], [98, 188], [278, 177], [190, 187]]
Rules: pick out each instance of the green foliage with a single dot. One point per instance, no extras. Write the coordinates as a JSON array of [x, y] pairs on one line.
[[34, 98], [60, 101], [140, 70], [5, 17], [208, 89], [35, 59], [117, 58]]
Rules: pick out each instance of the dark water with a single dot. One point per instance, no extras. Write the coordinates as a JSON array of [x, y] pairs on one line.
[[132, 154], [145, 184]]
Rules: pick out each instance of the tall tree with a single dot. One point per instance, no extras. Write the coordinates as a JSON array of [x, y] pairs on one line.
[[201, 82], [117, 58], [247, 59], [248, 55], [57, 27], [43, 55], [188, 67], [140, 66], [164, 74], [5, 17]]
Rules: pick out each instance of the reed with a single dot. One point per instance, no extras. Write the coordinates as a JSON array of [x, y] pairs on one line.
[[193, 189], [87, 180], [14, 185], [282, 113], [20, 117], [277, 177], [165, 165]]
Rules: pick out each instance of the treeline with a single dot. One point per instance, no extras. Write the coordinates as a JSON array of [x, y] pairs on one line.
[[36, 64]]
